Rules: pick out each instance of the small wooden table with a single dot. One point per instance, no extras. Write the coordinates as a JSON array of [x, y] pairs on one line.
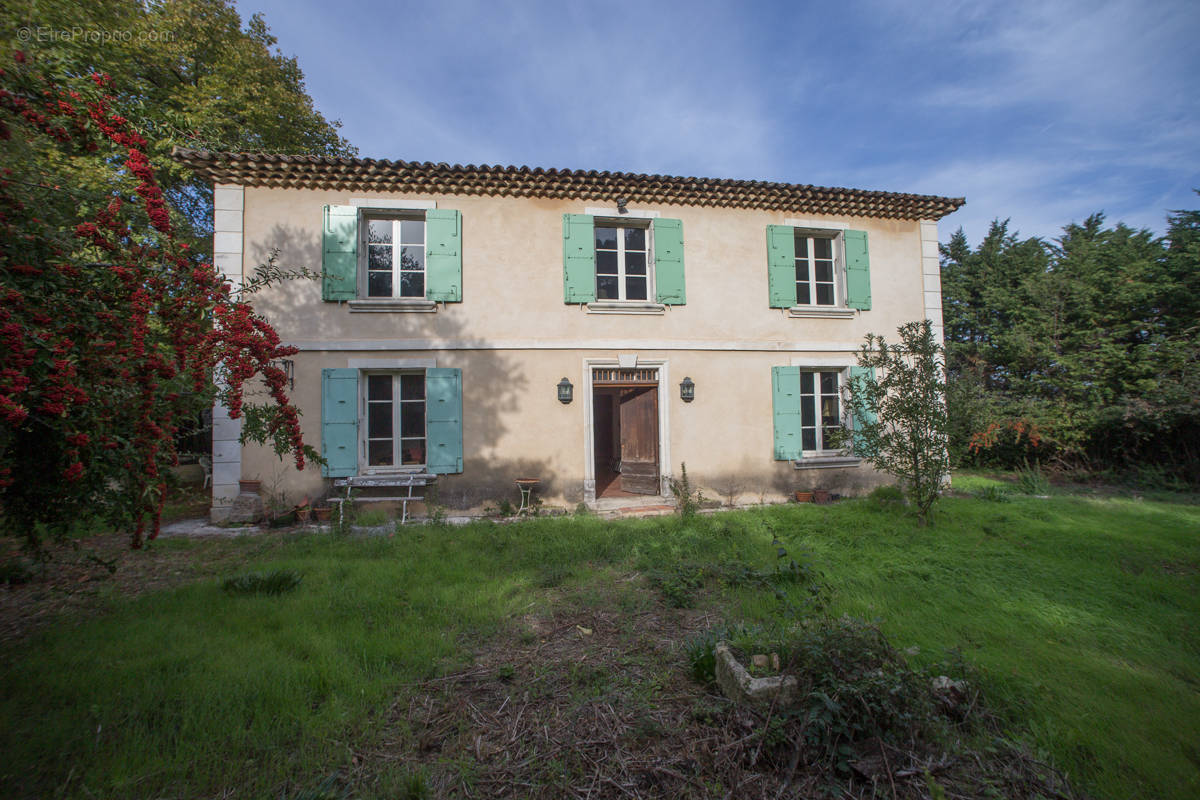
[[526, 486]]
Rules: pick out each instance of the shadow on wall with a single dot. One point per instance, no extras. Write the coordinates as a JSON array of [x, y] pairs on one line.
[[493, 385]]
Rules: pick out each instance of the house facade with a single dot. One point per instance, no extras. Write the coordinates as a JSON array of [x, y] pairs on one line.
[[592, 330]]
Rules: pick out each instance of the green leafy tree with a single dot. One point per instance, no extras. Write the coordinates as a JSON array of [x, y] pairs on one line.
[[1090, 341], [899, 412], [186, 73]]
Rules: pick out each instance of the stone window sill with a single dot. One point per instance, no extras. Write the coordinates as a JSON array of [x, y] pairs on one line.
[[625, 307], [827, 462], [821, 311], [394, 306]]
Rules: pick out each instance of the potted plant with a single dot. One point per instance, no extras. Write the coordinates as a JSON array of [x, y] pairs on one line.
[[804, 497], [303, 510]]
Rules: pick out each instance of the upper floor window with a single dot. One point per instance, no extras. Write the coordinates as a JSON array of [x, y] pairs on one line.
[[622, 265], [391, 258], [622, 256], [394, 264], [816, 270]]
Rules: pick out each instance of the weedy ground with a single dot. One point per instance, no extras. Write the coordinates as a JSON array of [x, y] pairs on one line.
[[559, 657]]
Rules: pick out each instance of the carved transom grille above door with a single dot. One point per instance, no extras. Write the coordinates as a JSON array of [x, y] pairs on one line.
[[615, 376]]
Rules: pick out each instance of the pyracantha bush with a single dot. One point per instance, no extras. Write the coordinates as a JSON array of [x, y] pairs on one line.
[[114, 334]]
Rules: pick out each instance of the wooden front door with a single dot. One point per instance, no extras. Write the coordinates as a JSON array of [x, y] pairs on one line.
[[639, 439]]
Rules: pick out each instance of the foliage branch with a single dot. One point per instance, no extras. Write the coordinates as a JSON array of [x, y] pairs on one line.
[[899, 413], [112, 330]]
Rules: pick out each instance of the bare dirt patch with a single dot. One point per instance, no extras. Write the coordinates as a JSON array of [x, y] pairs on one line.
[[599, 703]]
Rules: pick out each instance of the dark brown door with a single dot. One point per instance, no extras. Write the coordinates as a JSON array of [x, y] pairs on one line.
[[639, 439]]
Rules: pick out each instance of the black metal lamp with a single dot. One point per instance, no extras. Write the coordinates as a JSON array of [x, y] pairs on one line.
[[565, 391], [687, 390]]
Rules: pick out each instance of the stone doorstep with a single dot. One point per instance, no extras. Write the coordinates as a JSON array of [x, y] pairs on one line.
[[737, 684]]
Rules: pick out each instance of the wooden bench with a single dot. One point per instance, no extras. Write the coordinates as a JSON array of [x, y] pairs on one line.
[[399, 480]]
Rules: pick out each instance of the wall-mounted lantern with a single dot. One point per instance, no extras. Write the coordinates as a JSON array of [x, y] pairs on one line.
[[565, 391], [687, 390], [289, 369]]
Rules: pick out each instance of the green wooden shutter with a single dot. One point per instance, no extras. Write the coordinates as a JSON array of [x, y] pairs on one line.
[[443, 256], [858, 377], [579, 259], [339, 248], [443, 420], [781, 266], [785, 399], [858, 270], [668, 262], [339, 422]]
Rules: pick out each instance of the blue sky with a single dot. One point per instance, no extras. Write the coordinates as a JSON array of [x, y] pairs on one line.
[[1042, 112]]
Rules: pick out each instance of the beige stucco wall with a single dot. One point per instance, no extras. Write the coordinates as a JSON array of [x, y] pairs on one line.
[[514, 426], [514, 339], [512, 277]]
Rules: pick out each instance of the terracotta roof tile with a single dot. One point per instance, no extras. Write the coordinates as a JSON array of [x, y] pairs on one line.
[[370, 174]]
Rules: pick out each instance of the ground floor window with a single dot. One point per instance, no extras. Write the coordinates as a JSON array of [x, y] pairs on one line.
[[820, 409], [395, 419]]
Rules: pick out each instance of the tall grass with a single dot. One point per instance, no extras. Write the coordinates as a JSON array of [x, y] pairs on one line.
[[1081, 613]]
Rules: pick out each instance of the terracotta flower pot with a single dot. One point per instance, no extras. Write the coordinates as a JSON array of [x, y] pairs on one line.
[[303, 514], [821, 497], [804, 497], [323, 513]]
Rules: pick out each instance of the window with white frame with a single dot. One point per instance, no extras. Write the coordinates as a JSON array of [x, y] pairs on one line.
[[394, 263], [820, 409], [623, 259], [816, 269], [394, 412]]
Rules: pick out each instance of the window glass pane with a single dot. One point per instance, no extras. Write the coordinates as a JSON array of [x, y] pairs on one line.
[[412, 419], [412, 258], [808, 410], [379, 284], [379, 387], [606, 238], [824, 294], [412, 231], [635, 288], [379, 420], [412, 451], [606, 262], [823, 248], [379, 256], [635, 239], [824, 270], [806, 382], [801, 271], [379, 230], [829, 411], [412, 284], [828, 435], [412, 387], [379, 453], [829, 383], [809, 439], [635, 263], [606, 287], [802, 296], [801, 246]]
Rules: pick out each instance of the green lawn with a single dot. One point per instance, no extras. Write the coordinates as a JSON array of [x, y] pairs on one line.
[[1081, 614]]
